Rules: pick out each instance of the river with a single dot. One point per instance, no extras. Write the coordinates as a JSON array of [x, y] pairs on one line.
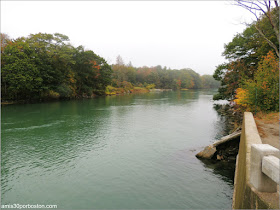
[[132, 151]]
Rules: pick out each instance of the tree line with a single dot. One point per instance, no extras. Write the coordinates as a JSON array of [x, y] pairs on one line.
[[250, 78], [46, 66], [159, 77]]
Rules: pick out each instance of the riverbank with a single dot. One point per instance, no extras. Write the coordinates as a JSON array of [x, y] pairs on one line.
[[267, 124], [232, 117], [222, 153], [108, 92]]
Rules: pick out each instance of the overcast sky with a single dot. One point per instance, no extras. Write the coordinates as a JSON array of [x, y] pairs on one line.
[[176, 34]]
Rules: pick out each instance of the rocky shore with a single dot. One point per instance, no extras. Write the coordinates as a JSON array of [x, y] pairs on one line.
[[224, 149]]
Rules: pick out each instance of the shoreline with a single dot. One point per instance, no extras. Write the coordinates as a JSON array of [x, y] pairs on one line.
[[121, 91]]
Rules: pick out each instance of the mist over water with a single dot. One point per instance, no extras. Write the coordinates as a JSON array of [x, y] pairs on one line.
[[116, 152]]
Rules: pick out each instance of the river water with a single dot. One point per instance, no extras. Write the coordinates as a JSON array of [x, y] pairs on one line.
[[116, 152]]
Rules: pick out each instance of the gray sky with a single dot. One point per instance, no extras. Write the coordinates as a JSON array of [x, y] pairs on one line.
[[176, 34]]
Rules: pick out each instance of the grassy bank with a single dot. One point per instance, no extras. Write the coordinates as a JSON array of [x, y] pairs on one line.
[[110, 90]]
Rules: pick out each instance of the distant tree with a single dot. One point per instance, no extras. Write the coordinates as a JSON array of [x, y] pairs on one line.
[[129, 64], [119, 61], [157, 76], [209, 82], [4, 40]]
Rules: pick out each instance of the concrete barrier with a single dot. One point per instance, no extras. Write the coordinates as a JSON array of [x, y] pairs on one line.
[[270, 167], [245, 195], [258, 179]]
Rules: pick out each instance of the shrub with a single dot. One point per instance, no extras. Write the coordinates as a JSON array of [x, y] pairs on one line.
[[53, 95], [150, 86]]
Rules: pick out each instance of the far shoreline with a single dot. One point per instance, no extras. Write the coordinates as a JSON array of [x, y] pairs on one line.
[[47, 100]]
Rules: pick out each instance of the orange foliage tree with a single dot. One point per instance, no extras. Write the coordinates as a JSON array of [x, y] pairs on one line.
[[262, 92]]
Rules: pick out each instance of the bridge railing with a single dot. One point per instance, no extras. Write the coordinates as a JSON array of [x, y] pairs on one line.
[[264, 168]]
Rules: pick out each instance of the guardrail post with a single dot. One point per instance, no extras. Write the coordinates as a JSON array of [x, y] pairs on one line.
[[258, 179], [270, 167]]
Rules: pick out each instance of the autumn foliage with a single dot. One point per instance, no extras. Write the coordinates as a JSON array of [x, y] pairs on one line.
[[160, 77], [262, 92]]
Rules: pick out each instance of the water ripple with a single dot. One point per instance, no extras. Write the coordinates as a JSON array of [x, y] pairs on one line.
[[33, 127]]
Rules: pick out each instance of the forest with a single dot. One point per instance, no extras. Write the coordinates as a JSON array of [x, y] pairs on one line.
[[250, 78], [125, 76], [46, 66]]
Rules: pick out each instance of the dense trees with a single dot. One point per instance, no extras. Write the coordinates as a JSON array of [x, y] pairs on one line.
[[46, 66], [162, 78], [244, 53], [262, 92], [20, 76], [248, 55], [43, 66]]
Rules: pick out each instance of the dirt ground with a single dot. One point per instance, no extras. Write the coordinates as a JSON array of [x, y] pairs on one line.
[[268, 127]]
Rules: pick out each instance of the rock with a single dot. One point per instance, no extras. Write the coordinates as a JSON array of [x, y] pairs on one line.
[[207, 153], [220, 157], [232, 158], [226, 146]]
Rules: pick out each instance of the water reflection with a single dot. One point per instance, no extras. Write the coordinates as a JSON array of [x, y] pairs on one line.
[[225, 170]]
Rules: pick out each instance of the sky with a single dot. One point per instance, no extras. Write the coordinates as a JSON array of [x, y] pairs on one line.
[[175, 34]]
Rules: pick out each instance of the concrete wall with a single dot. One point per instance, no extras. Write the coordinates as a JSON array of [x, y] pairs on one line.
[[245, 196]]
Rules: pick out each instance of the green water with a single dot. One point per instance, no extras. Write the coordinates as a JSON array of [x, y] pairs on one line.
[[120, 152]]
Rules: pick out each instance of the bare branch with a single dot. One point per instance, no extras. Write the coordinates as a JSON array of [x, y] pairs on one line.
[[261, 9], [250, 10], [265, 8], [239, 3], [253, 6], [268, 41], [260, 2]]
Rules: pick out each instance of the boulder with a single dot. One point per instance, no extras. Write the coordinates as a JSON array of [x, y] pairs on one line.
[[222, 145], [207, 153]]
